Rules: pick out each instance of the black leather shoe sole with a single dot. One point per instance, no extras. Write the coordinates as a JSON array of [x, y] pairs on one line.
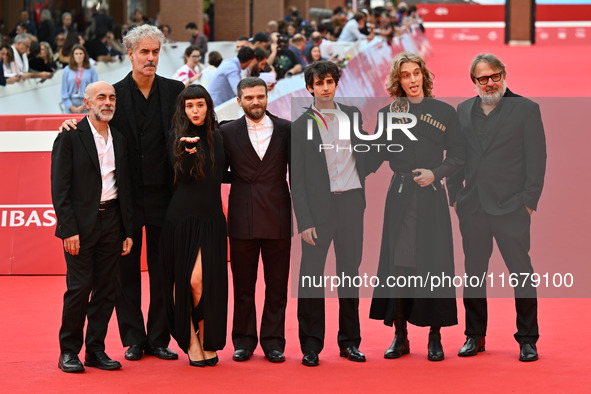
[[472, 353], [134, 353], [104, 367], [535, 358], [435, 357], [310, 363], [161, 354], [241, 355], [352, 357], [392, 354], [73, 369], [275, 358], [310, 360]]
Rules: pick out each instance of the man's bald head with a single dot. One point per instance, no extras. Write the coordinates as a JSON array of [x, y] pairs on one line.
[[99, 98]]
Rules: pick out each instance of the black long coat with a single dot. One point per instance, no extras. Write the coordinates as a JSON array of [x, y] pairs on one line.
[[437, 131]]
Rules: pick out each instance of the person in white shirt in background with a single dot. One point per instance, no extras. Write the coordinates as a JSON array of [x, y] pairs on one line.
[[351, 31], [214, 59], [20, 49], [190, 72]]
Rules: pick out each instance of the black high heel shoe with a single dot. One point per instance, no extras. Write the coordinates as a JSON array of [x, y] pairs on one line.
[[212, 361], [200, 363]]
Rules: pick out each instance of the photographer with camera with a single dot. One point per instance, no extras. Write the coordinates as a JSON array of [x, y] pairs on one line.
[[285, 63]]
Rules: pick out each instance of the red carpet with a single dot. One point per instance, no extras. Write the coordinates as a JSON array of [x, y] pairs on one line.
[[31, 306], [32, 312]]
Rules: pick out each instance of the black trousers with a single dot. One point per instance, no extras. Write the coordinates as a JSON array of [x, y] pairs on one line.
[[92, 273], [512, 233], [129, 293], [244, 256], [150, 205], [344, 227]]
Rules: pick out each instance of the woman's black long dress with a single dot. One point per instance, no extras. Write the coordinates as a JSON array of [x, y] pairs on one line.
[[195, 220], [416, 237]]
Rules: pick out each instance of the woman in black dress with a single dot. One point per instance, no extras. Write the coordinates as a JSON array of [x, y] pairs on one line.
[[416, 239], [194, 243]]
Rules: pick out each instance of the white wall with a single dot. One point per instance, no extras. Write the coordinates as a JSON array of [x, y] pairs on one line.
[[35, 97]]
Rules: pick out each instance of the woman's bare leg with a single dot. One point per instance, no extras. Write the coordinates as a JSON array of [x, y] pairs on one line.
[[195, 350]]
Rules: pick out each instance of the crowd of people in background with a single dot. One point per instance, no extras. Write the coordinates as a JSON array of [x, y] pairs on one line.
[[38, 49]]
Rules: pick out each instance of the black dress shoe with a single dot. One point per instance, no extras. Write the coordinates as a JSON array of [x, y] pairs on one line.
[[400, 345], [241, 355], [69, 362], [162, 353], [212, 361], [528, 352], [434, 348], [310, 359], [352, 354], [275, 356], [473, 345], [134, 352], [100, 360]]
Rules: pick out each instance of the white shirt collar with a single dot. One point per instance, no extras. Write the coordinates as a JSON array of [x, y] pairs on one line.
[[266, 121], [95, 132], [338, 108]]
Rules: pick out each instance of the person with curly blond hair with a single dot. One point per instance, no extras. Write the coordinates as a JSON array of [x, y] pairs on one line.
[[417, 238]]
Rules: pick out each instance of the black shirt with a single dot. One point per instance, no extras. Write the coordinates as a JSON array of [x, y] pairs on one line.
[[2, 77], [484, 124], [285, 60], [96, 48], [37, 64], [150, 136]]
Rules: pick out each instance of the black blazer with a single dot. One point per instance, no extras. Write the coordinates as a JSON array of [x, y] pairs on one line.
[[76, 181], [124, 119], [508, 172], [259, 205], [310, 181]]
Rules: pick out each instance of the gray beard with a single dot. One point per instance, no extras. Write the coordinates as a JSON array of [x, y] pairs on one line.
[[96, 112], [494, 98], [491, 99]]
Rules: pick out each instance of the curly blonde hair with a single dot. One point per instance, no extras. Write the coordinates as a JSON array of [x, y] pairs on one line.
[[393, 83]]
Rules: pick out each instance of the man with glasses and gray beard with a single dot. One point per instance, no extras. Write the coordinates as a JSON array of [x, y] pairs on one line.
[[504, 176], [91, 193]]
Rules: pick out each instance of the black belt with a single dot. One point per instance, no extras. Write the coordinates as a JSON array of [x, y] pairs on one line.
[[105, 205], [343, 192]]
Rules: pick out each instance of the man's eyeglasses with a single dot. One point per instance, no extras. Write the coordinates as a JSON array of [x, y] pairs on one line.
[[484, 79]]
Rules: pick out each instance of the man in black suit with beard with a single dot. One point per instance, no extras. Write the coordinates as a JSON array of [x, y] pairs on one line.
[[146, 104], [259, 219], [504, 174], [91, 193], [329, 201]]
